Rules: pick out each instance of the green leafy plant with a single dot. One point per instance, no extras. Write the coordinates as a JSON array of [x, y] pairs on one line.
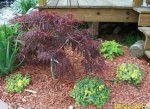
[[130, 73], [131, 38], [90, 91], [17, 82], [9, 47], [111, 49], [22, 6]]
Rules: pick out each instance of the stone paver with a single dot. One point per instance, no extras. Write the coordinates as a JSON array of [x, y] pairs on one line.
[[3, 105]]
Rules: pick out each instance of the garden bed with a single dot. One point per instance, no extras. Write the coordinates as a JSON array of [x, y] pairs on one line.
[[54, 94]]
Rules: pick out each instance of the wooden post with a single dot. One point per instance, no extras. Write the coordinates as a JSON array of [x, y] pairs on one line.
[[137, 3], [42, 2], [95, 27]]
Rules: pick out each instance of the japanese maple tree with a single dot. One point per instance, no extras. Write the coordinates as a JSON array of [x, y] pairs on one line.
[[47, 34]]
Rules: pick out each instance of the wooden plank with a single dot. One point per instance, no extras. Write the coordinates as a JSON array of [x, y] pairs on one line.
[[147, 43], [147, 53], [110, 3], [143, 10], [100, 15], [121, 3], [92, 3], [52, 3], [146, 32], [74, 3], [99, 3], [83, 4], [144, 20], [63, 4]]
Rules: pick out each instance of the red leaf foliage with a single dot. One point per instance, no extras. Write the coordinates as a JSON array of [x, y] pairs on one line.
[[46, 35]]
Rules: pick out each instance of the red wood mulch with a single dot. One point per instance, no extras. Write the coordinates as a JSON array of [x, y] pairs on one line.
[[54, 94]]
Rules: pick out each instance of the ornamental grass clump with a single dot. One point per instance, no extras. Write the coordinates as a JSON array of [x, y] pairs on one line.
[[17, 82], [22, 6], [90, 91], [47, 35], [9, 48], [130, 73], [111, 49]]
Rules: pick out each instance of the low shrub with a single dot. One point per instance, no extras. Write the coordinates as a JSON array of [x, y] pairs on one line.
[[9, 47], [111, 49], [17, 82], [47, 35], [22, 6], [90, 91], [130, 73]]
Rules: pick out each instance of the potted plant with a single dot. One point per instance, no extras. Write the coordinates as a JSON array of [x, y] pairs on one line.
[[148, 2], [137, 3]]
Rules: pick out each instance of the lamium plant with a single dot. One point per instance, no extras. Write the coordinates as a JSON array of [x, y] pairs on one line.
[[17, 82], [46, 36], [90, 91], [130, 73]]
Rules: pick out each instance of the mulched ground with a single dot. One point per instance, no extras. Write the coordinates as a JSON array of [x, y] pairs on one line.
[[54, 94]]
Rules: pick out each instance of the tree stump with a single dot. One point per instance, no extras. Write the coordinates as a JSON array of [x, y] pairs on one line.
[[137, 49]]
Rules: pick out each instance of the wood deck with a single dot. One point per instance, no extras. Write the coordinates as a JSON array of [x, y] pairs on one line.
[[103, 11], [89, 3], [94, 10]]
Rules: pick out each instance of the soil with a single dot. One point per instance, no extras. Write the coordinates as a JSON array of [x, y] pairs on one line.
[[54, 94]]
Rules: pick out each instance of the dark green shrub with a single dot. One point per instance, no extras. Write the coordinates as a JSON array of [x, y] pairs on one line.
[[90, 91], [111, 49], [130, 73], [17, 82]]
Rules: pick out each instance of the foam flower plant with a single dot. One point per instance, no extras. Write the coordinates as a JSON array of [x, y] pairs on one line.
[[90, 91], [130, 73], [17, 82]]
